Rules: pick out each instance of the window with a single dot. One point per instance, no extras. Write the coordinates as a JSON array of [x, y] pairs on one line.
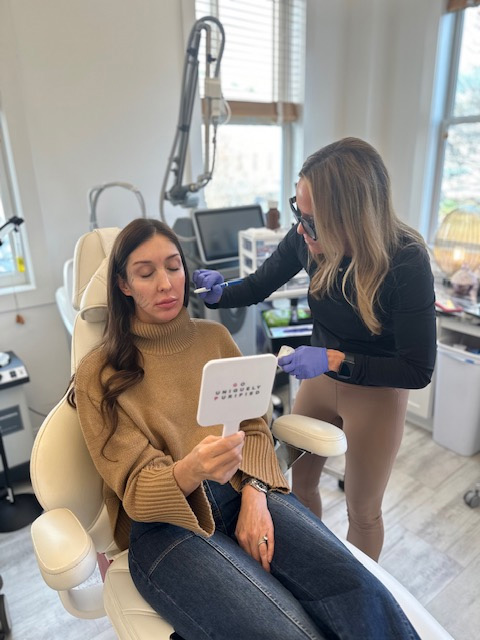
[[457, 179], [13, 263], [258, 151]]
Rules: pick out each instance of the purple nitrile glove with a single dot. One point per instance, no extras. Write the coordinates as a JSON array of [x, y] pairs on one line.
[[208, 279], [305, 362]]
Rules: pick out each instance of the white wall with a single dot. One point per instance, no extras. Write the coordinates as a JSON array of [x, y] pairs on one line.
[[370, 72], [90, 90]]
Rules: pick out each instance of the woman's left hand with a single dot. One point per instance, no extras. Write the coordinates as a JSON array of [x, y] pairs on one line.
[[253, 525], [305, 362], [310, 362]]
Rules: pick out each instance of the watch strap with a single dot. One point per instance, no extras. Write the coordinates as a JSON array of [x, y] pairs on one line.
[[256, 484], [346, 368]]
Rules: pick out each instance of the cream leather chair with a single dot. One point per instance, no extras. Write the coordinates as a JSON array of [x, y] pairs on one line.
[[74, 527]]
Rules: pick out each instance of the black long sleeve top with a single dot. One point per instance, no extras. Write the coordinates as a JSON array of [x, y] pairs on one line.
[[402, 355]]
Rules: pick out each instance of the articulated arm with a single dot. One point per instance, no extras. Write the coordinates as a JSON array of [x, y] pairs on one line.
[[179, 193], [11, 224]]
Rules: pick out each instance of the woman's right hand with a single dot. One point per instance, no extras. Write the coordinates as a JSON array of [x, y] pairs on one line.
[[208, 279], [214, 458]]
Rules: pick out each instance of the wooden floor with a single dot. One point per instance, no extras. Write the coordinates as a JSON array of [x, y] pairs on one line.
[[432, 546], [432, 538]]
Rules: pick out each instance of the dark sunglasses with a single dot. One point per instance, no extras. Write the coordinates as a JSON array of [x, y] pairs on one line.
[[306, 221]]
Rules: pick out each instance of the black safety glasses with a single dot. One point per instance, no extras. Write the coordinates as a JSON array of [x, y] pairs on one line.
[[306, 221]]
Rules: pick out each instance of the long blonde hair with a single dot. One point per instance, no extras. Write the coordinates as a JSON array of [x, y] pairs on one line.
[[352, 206]]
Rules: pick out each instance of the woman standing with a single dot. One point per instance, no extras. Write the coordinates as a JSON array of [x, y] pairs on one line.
[[372, 301]]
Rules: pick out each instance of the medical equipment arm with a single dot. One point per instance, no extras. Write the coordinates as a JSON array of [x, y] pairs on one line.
[[11, 224], [179, 193], [95, 192]]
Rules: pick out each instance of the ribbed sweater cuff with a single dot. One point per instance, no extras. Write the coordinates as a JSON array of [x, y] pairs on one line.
[[259, 461], [158, 498]]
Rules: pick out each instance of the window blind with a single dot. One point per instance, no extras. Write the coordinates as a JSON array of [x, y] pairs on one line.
[[263, 61]]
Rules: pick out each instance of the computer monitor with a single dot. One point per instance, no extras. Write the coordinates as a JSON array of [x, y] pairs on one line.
[[217, 231]]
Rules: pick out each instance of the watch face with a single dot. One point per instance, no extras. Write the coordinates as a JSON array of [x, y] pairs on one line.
[[257, 484]]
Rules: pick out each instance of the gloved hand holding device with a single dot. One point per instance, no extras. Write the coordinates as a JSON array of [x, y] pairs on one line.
[[305, 362], [209, 279]]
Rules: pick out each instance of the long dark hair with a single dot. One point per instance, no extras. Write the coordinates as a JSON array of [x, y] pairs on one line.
[[118, 347]]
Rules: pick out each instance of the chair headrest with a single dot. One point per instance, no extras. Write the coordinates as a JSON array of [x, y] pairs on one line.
[[90, 267]]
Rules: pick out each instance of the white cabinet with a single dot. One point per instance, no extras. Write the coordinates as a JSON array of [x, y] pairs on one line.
[[420, 405], [255, 246], [459, 329]]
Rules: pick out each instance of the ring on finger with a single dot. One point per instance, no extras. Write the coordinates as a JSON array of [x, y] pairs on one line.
[[263, 540]]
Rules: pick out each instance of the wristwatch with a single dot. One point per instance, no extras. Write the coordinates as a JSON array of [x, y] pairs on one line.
[[346, 368], [256, 484]]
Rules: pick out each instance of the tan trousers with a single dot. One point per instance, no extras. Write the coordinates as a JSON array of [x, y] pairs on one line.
[[373, 420]]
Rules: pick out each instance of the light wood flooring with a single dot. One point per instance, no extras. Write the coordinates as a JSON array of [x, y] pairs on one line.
[[432, 546]]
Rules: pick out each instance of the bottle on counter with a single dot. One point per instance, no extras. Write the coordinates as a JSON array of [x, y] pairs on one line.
[[464, 282], [273, 215]]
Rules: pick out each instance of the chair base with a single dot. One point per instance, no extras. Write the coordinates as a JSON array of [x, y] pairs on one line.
[[130, 615]]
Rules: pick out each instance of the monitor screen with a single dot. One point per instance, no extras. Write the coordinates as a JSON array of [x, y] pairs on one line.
[[217, 231]]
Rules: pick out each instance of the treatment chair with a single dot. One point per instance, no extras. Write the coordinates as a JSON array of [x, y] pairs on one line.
[[66, 305], [75, 527]]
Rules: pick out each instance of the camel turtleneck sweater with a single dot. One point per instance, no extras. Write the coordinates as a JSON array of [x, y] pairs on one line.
[[157, 426]]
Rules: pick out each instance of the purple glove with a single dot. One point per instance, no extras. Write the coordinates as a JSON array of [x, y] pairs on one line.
[[208, 279], [305, 362]]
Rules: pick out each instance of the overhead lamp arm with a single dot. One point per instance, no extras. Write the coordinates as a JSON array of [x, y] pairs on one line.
[[10, 225], [95, 192], [180, 193]]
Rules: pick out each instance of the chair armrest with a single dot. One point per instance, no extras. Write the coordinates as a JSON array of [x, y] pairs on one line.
[[309, 434], [65, 552]]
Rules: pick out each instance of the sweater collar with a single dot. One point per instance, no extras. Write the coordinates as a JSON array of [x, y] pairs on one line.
[[164, 338]]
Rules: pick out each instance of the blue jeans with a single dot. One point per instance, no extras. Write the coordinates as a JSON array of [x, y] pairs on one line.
[[209, 588]]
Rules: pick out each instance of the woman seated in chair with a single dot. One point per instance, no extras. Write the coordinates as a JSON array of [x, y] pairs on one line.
[[218, 545]]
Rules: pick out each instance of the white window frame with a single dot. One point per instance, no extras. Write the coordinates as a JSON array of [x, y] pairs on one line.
[[287, 115], [20, 280], [448, 67]]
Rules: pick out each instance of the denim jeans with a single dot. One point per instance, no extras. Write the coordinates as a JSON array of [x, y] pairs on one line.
[[209, 588]]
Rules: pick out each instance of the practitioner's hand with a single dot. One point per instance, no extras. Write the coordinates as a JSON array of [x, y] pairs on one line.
[[210, 280], [214, 458], [254, 522], [305, 362]]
